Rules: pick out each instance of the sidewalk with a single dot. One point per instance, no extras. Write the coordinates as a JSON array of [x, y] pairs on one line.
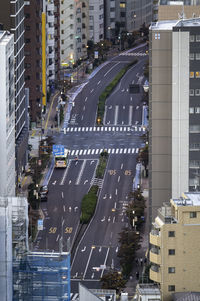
[[138, 267]]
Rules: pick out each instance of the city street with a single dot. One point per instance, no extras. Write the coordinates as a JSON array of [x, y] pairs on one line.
[[120, 135]]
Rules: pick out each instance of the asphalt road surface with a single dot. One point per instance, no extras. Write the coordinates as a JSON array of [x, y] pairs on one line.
[[121, 136]]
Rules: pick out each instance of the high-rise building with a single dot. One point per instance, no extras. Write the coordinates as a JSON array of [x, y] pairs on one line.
[[33, 58], [7, 115], [128, 15], [175, 246], [174, 108], [12, 19], [175, 9], [96, 20]]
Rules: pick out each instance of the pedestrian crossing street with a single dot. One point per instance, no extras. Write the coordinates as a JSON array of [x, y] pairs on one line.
[[112, 151], [133, 54], [105, 129]]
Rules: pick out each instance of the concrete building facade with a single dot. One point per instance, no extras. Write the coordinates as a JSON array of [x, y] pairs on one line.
[[12, 19], [129, 14], [173, 110], [176, 9], [175, 246], [96, 23], [33, 58], [7, 115]]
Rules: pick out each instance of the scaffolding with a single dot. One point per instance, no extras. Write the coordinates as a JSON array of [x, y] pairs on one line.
[[42, 276]]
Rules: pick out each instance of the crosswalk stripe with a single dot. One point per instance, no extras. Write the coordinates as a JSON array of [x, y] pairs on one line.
[[129, 150], [124, 129], [128, 129], [68, 129], [101, 150], [85, 151], [89, 150], [117, 150], [83, 129], [106, 129], [90, 129], [102, 129], [137, 150], [125, 150], [94, 129], [121, 150], [79, 129], [72, 129], [139, 129], [121, 128], [133, 150], [113, 129], [97, 150], [75, 129], [113, 151], [109, 150], [109, 128], [80, 152], [75, 297], [98, 129], [93, 150], [72, 152], [86, 129], [117, 129], [76, 153]]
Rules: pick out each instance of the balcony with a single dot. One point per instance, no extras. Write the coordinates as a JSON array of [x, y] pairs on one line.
[[165, 214], [155, 273], [155, 256], [155, 238]]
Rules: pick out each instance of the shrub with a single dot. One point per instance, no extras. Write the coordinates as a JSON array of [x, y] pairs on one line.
[[102, 165], [88, 205]]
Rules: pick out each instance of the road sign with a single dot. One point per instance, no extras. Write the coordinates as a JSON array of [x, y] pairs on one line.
[[40, 224], [96, 54], [58, 150]]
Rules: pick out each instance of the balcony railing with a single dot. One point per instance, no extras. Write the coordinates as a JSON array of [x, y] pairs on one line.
[[155, 238], [154, 256], [155, 273]]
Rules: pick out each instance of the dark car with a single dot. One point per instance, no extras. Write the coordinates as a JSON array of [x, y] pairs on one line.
[[43, 193]]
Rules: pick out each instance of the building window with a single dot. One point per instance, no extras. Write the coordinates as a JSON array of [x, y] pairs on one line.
[[122, 5], [157, 36], [195, 128], [197, 110], [62, 51], [171, 234], [197, 73], [171, 270], [171, 288], [91, 7], [191, 74], [192, 38], [191, 56], [171, 251], [191, 110], [191, 92], [193, 214], [62, 22], [62, 31], [62, 41], [194, 164], [194, 146], [198, 38], [197, 56], [197, 92]]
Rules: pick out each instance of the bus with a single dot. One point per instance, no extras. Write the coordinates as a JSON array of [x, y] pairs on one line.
[[62, 160]]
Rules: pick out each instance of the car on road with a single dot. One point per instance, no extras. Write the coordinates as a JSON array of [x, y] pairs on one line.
[[43, 193]]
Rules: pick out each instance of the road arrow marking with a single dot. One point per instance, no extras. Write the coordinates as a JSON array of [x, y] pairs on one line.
[[109, 219], [70, 181], [85, 182], [70, 209], [103, 219], [98, 82], [54, 183], [92, 275], [75, 208], [104, 196], [83, 250], [100, 249], [116, 249], [110, 197], [91, 162]]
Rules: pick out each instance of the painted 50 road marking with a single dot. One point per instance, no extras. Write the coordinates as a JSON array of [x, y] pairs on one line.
[[113, 172], [52, 230]]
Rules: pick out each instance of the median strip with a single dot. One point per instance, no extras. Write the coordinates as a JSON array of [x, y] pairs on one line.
[[108, 90]]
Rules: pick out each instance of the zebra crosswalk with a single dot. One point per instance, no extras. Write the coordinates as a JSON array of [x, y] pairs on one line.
[[74, 297], [133, 54], [105, 129], [98, 151]]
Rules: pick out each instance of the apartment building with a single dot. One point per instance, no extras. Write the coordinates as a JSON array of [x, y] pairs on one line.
[[174, 108], [12, 19], [175, 246], [7, 115], [33, 58], [96, 20], [175, 9]]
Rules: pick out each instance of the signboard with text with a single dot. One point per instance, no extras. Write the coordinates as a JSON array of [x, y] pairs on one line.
[[58, 150]]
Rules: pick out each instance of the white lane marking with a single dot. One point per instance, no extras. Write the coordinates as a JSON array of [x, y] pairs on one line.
[[92, 276], [65, 174], [110, 197], [62, 194], [105, 261], [54, 183], [116, 115], [117, 250], [64, 208], [131, 98], [98, 82], [91, 90], [111, 69], [80, 173], [113, 219], [75, 297], [87, 263], [130, 115], [84, 108], [58, 237], [116, 191], [122, 165], [70, 181], [118, 179], [86, 99]]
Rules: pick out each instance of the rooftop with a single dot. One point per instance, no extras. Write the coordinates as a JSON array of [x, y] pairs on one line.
[[169, 24]]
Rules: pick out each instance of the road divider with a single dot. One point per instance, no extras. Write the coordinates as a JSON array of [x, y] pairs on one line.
[[109, 89]]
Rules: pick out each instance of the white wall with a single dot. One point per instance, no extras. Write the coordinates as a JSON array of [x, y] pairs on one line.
[[7, 116], [180, 113]]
